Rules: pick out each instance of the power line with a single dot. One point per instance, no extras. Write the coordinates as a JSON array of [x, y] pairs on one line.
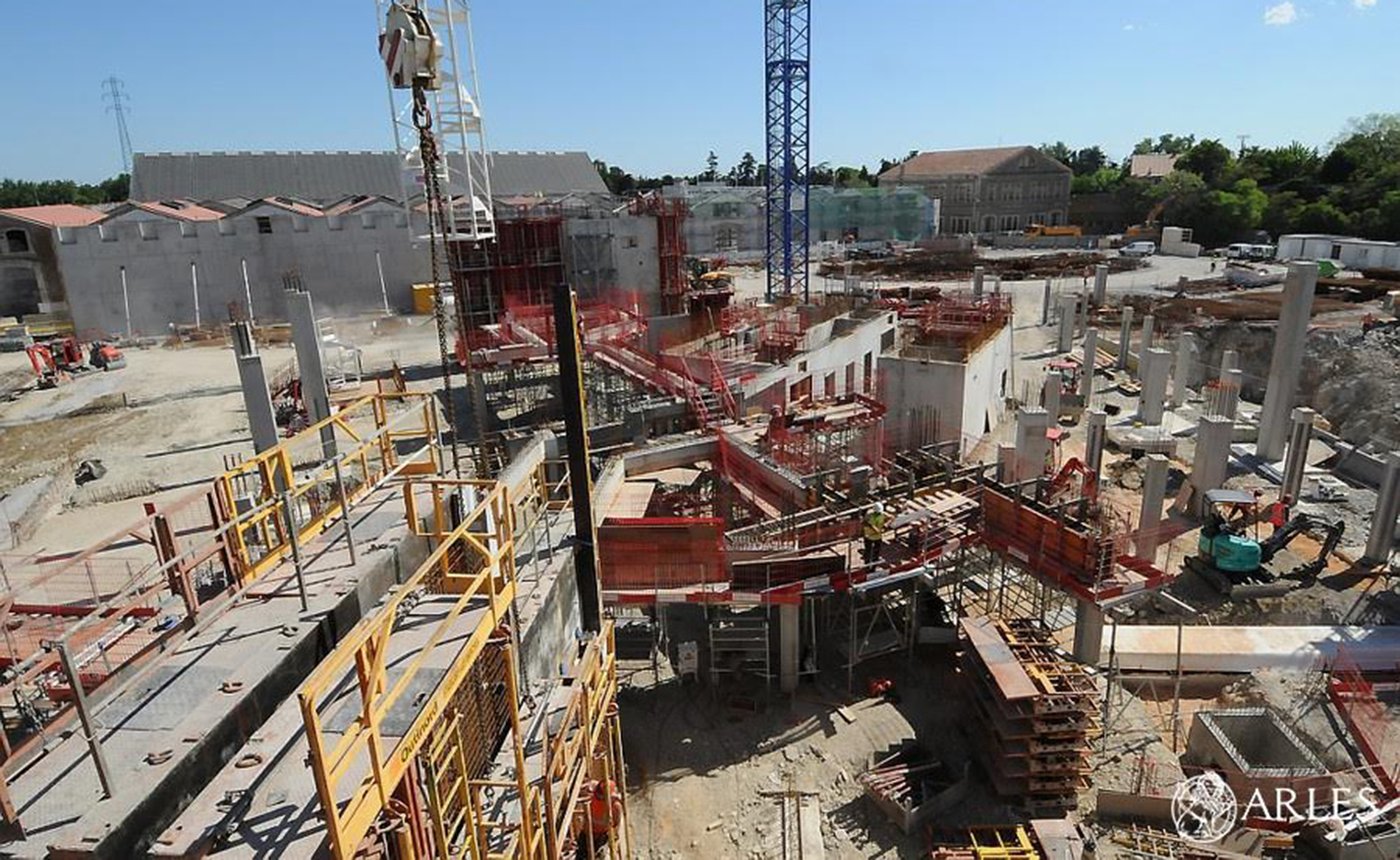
[[114, 93]]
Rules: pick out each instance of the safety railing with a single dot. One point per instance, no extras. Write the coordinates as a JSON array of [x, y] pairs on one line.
[[300, 482], [78, 624], [359, 769]]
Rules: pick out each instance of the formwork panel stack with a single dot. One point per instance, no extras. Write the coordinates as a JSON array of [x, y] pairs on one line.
[[1034, 709]]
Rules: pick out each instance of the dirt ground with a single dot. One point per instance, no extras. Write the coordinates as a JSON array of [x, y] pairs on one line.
[[159, 425], [698, 768]]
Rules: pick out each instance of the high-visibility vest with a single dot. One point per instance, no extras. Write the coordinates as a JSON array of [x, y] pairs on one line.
[[875, 527]]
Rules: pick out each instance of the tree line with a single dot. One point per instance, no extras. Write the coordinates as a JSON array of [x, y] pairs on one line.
[[15, 193], [1226, 195]]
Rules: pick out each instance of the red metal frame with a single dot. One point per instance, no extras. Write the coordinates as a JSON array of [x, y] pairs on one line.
[[670, 247]]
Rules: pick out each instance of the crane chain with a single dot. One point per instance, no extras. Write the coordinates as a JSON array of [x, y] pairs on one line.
[[437, 220]]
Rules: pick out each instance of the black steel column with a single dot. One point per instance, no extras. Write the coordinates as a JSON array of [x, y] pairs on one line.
[[576, 437]]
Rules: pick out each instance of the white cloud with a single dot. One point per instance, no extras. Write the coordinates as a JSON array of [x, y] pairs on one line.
[[1363, 4], [1282, 14], [1132, 27]]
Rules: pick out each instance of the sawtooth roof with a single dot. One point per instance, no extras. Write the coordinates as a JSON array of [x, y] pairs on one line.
[[58, 215], [327, 177]]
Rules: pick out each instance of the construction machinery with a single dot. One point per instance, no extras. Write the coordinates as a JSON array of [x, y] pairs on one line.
[[1241, 565], [1037, 230], [60, 359], [1062, 487]]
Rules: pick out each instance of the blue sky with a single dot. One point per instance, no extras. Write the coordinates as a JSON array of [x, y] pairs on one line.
[[653, 85]]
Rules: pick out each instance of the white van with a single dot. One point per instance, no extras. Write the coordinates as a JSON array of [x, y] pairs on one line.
[[1139, 249], [1238, 251]]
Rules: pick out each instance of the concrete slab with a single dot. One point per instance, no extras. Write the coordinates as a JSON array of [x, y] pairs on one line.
[[1152, 648]]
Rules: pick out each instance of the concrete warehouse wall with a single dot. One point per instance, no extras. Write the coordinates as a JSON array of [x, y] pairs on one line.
[[335, 258]]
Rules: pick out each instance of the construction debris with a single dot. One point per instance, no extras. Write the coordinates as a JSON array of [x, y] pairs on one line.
[[910, 786]]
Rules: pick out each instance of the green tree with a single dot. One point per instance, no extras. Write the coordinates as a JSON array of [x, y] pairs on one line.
[[1209, 159], [746, 171], [1171, 144], [711, 173]]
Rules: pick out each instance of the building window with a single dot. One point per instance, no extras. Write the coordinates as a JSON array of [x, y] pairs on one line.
[[1010, 223], [264, 224], [16, 242], [187, 229], [629, 241], [298, 224], [226, 227], [147, 229], [367, 221], [333, 222], [726, 210], [1055, 219], [107, 232], [851, 378], [727, 239], [989, 224], [829, 385], [869, 371]]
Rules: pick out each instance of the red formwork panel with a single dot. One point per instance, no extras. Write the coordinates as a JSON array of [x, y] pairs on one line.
[[661, 552]]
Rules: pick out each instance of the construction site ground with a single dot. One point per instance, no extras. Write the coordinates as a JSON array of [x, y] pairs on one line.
[[159, 426]]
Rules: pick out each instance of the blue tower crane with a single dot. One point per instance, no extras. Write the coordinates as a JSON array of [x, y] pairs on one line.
[[787, 29]]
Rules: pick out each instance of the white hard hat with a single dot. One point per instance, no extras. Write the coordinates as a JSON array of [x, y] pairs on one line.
[[879, 507]]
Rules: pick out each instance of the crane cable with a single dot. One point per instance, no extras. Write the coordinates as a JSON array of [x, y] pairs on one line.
[[428, 153]]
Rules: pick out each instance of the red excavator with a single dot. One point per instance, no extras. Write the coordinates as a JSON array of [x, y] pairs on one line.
[[1088, 489]]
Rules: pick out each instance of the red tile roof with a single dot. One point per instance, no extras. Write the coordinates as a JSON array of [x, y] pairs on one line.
[[60, 215], [184, 210], [291, 204], [958, 162]]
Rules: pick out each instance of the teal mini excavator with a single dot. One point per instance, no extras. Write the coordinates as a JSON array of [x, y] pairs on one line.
[[1240, 565]]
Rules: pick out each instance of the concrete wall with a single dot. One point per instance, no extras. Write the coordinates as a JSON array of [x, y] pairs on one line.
[[335, 258], [614, 258], [30, 281], [967, 396], [847, 346]]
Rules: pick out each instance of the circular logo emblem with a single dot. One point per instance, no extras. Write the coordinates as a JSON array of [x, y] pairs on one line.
[[1204, 808]]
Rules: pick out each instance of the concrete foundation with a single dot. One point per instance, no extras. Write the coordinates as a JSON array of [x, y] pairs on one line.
[[1296, 461], [1067, 314], [257, 401], [1381, 541], [1253, 748], [1091, 353], [1185, 366], [1050, 394], [1095, 432], [1287, 363], [1125, 337], [1100, 284], [1152, 400], [1212, 463], [1032, 448], [1154, 493]]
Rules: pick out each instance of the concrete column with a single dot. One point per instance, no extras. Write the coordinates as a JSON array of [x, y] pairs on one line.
[[306, 337], [1045, 304], [1086, 375], [1154, 493], [1088, 633], [1147, 330], [1084, 311], [1006, 462], [1212, 463], [1382, 538], [978, 273], [1100, 284], [1155, 364], [1229, 360], [996, 285], [1230, 392], [1296, 460], [1125, 337], [1066, 323], [1031, 444], [1181, 374], [1050, 394], [257, 402], [1287, 363], [789, 646], [1096, 430]]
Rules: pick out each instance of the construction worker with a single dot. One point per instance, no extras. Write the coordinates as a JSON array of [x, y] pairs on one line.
[[1278, 512], [873, 530]]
